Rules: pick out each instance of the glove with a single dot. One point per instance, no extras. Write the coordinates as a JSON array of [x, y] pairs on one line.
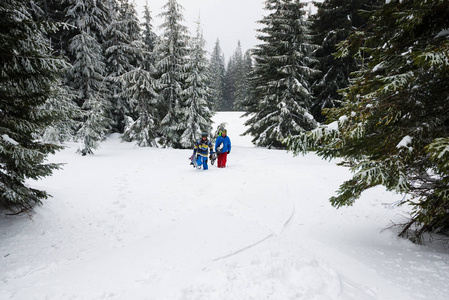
[[229, 151]]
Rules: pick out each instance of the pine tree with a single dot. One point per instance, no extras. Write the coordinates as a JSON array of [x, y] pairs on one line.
[[229, 84], [149, 36], [334, 21], [248, 88], [139, 89], [393, 127], [95, 125], [28, 74], [217, 71], [87, 75], [251, 102], [171, 64], [282, 76], [244, 88], [234, 82], [54, 11], [61, 99], [121, 56], [198, 116], [240, 78]]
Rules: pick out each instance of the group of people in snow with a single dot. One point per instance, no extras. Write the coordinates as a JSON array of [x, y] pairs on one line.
[[203, 150]]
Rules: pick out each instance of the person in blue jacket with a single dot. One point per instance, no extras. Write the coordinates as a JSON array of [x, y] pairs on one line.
[[201, 150], [223, 148]]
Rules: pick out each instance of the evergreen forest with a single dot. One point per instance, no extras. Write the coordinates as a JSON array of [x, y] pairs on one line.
[[365, 81]]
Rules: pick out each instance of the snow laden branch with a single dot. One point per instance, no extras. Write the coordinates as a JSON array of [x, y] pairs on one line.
[[439, 153], [323, 139], [435, 56], [396, 82]]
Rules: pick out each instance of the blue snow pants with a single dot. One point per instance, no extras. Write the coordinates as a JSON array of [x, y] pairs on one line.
[[201, 160]]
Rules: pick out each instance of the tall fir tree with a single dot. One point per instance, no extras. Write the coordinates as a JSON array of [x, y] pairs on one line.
[[198, 116], [248, 89], [171, 64], [62, 98], [243, 86], [334, 21], [217, 71], [54, 11], [240, 76], [234, 80], [282, 76], [139, 89], [121, 56], [393, 126], [28, 75], [87, 75], [250, 102], [148, 35], [229, 84]]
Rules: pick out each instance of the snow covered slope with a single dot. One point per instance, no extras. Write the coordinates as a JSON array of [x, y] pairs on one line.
[[140, 223]]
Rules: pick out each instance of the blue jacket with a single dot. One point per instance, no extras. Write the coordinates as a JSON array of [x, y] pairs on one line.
[[226, 141], [202, 147]]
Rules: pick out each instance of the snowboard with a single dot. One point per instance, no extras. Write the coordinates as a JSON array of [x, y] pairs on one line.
[[213, 158], [193, 162]]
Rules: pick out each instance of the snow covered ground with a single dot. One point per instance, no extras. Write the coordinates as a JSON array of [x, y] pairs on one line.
[[140, 223]]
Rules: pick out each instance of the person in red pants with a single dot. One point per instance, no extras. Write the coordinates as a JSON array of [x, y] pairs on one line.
[[223, 148]]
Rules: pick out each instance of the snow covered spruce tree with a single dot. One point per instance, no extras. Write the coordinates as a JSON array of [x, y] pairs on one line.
[[334, 21], [393, 126], [121, 56], [149, 36], [217, 71], [282, 75], [171, 65], [87, 75], [28, 76], [61, 99], [237, 77], [198, 116], [54, 11], [245, 90], [138, 87], [230, 79]]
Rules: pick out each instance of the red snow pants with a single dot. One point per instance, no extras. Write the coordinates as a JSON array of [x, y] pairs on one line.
[[222, 157]]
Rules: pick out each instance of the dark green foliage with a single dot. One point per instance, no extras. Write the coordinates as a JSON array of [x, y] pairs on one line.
[[28, 74], [334, 21], [393, 125], [282, 76]]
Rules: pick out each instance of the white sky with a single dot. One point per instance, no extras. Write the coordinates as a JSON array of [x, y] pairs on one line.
[[227, 20]]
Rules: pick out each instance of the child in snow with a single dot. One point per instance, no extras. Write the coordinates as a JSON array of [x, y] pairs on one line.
[[224, 140], [200, 151]]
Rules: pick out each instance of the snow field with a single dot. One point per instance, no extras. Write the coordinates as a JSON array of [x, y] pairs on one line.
[[140, 223]]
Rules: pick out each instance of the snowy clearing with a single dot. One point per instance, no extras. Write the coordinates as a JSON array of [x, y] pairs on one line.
[[140, 223]]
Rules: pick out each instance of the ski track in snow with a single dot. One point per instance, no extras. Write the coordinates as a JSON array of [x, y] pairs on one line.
[[140, 223]]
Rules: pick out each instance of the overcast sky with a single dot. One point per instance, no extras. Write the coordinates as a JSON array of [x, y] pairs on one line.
[[227, 20]]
